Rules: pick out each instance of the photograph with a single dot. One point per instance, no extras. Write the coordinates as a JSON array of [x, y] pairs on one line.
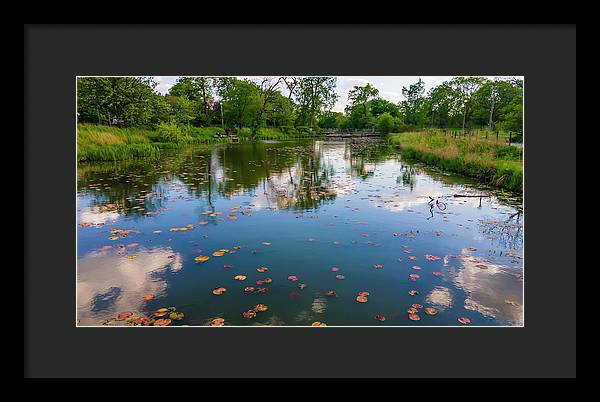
[[299, 201]]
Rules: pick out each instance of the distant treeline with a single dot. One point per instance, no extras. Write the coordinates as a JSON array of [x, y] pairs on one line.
[[299, 102]]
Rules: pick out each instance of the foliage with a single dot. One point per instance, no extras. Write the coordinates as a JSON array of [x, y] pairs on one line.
[[385, 123], [497, 164]]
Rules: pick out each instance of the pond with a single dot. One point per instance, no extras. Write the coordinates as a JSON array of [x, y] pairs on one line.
[[344, 233]]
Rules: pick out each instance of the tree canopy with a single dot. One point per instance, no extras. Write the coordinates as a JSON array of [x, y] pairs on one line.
[[461, 102]]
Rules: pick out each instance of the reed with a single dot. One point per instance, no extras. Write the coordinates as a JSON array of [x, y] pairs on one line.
[[495, 164]]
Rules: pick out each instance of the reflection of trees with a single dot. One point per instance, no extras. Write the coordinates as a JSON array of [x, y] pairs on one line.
[[363, 156], [407, 177], [290, 176], [508, 233]]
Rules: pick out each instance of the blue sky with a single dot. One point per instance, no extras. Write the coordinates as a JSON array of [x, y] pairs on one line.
[[390, 87]]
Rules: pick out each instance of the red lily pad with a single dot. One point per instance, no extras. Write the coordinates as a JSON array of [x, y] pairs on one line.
[[124, 315]]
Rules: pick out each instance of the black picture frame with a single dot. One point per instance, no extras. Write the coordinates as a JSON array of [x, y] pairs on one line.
[[55, 54]]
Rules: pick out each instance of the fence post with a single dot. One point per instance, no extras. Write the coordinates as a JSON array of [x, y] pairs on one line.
[[509, 137]]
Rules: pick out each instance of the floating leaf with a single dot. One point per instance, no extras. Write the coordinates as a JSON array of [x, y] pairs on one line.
[[217, 322], [266, 243], [416, 305], [335, 269], [413, 292], [240, 277], [430, 311], [365, 294], [176, 316], [377, 266], [113, 238], [431, 257], [379, 318], [249, 289], [104, 248], [330, 293], [218, 254], [219, 291], [361, 299], [511, 302], [413, 277], [412, 310], [437, 273], [262, 269], [414, 317], [124, 315], [340, 277], [249, 314], [148, 297], [201, 258], [161, 322], [292, 278], [471, 248], [302, 285], [464, 320], [318, 324], [261, 307], [416, 267]]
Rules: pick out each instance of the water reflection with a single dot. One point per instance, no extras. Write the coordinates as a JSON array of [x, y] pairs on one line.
[[491, 288], [253, 186], [108, 283]]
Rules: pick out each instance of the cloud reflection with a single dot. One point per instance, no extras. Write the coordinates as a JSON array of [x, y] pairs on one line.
[[108, 283], [488, 285]]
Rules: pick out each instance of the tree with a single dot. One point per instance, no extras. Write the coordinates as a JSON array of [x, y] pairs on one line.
[[360, 96], [464, 88], [412, 107], [379, 106], [198, 90], [241, 101], [267, 89], [182, 108], [331, 119], [385, 123], [132, 101], [314, 94]]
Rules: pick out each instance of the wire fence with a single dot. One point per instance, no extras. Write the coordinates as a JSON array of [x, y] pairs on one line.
[[498, 136]]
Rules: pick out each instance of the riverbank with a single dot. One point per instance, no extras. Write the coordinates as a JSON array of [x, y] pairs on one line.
[[495, 164], [106, 143]]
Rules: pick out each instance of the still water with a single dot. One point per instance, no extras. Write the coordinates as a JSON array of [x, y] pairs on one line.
[[327, 219]]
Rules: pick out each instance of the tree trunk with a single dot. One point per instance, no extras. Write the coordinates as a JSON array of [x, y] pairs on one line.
[[464, 118], [490, 122]]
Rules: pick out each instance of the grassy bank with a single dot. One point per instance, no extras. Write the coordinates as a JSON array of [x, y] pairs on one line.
[[495, 164], [104, 143]]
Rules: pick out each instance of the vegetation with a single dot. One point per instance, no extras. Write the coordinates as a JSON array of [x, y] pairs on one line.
[[125, 117], [496, 164]]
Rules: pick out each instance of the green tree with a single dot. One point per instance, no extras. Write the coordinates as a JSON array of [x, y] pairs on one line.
[[314, 95], [413, 107], [379, 106], [241, 101], [183, 109], [200, 91], [385, 123], [359, 98], [132, 101]]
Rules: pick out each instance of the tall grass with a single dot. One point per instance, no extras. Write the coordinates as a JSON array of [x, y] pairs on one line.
[[495, 164]]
